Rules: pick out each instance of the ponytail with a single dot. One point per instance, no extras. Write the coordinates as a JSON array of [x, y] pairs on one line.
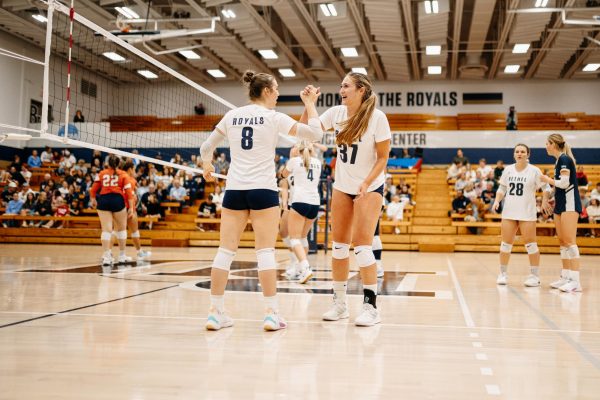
[[354, 127], [569, 152], [562, 145], [305, 150]]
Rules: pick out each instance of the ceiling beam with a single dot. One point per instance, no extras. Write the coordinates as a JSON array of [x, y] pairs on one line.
[[325, 44], [506, 27], [280, 43], [457, 27], [360, 25], [411, 38], [551, 34], [238, 45], [591, 47]]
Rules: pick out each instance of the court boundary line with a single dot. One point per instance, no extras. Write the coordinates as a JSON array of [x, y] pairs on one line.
[[65, 312], [460, 296]]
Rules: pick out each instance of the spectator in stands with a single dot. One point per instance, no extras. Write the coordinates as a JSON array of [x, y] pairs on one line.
[[75, 207], [46, 155], [50, 188], [64, 188], [97, 155], [455, 170], [15, 176], [222, 165], [485, 169], [404, 193], [43, 207], [582, 179], [66, 163], [13, 208], [29, 207], [56, 157], [460, 204], [394, 211], [80, 166], [487, 196], [470, 193], [389, 189], [406, 153], [16, 163], [583, 196], [26, 174], [596, 192], [460, 158], [177, 159], [195, 188], [34, 161], [61, 209], [498, 170], [207, 209], [161, 192], [593, 212], [8, 192], [199, 109], [153, 208], [217, 197], [511, 119], [4, 176], [461, 182], [78, 117], [178, 193]]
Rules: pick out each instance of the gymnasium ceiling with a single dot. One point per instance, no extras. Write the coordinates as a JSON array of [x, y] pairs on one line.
[[477, 37]]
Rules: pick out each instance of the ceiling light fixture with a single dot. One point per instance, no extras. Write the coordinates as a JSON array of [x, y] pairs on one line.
[[40, 18], [511, 69], [127, 12], [591, 68], [189, 54], [433, 50], [432, 7], [287, 72], [434, 70], [349, 51], [216, 73], [268, 54], [541, 3], [520, 48], [329, 10], [360, 70], [147, 74], [228, 13], [111, 55]]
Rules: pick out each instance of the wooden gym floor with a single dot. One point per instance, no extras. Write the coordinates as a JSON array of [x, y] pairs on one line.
[[68, 331]]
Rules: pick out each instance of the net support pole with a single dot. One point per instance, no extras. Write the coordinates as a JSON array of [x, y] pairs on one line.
[[46, 83]]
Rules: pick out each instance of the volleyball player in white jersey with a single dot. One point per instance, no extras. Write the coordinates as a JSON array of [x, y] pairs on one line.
[[251, 188], [286, 189], [518, 186], [363, 138], [306, 171], [567, 208]]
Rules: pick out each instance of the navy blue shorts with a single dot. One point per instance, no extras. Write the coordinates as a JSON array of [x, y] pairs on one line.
[[253, 199], [112, 202], [378, 190], [309, 211]]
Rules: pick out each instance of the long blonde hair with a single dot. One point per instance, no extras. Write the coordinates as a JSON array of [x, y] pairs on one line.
[[561, 144], [305, 149], [354, 127]]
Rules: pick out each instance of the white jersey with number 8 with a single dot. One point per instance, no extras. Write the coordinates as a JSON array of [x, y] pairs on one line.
[[355, 162], [253, 133], [519, 200]]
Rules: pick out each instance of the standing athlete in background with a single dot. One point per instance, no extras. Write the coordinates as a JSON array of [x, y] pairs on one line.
[[251, 188], [114, 188], [306, 171], [363, 136], [132, 219], [518, 185], [567, 208]]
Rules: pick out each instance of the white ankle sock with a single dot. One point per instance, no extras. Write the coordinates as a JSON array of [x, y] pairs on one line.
[[574, 275], [304, 265], [218, 302], [339, 290], [271, 303]]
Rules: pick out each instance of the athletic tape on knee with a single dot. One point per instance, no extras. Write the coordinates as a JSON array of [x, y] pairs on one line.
[[304, 242], [364, 256], [377, 245], [105, 236], [266, 259], [340, 251], [573, 251], [135, 234], [563, 253], [532, 248], [122, 235], [295, 242], [286, 241], [505, 247], [223, 259]]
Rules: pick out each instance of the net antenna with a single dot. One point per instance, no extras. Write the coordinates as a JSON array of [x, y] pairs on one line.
[[140, 103]]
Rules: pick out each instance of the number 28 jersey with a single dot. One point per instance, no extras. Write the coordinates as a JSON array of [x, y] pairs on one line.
[[355, 162], [253, 133], [519, 201]]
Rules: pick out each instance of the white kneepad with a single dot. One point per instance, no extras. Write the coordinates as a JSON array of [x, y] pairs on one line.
[[286, 241], [135, 234], [573, 251], [304, 242], [505, 247], [105, 236], [364, 256], [377, 245], [340, 251], [532, 248], [295, 242], [563, 253], [266, 259], [122, 235], [223, 259]]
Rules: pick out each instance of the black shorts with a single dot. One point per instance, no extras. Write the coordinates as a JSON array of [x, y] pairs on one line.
[[112, 202], [378, 190], [253, 199], [309, 211]]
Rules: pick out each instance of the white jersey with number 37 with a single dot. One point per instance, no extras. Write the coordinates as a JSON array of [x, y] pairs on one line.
[[519, 201], [355, 162], [252, 132]]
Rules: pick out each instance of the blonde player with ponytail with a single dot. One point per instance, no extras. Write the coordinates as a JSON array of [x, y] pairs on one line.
[[566, 211], [306, 172], [362, 135]]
